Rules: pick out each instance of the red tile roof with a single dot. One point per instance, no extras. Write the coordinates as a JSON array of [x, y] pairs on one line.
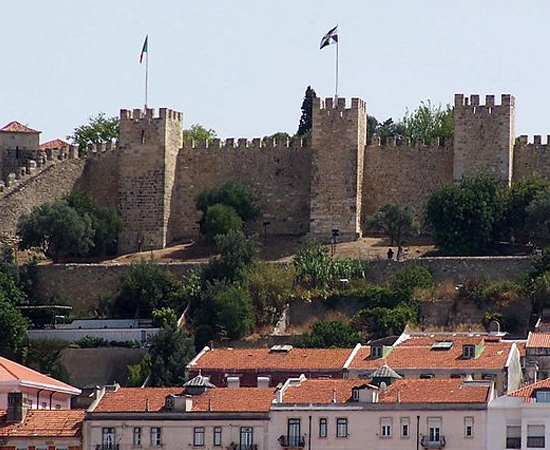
[[17, 127], [259, 359], [10, 371], [56, 143], [435, 391], [45, 423], [321, 391], [417, 353], [214, 400], [527, 391], [538, 340]]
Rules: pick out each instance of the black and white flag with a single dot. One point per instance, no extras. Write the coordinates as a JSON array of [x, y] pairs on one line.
[[330, 38]]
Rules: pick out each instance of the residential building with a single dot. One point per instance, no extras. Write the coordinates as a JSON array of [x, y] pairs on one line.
[[268, 366], [520, 419], [537, 356], [196, 416], [481, 356], [407, 413]]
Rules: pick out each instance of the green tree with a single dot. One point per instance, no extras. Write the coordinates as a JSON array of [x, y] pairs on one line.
[[234, 194], [138, 373], [429, 122], [306, 119], [280, 137], [466, 218], [171, 350], [270, 286], [522, 193], [389, 128], [100, 129], [331, 333], [380, 321], [13, 330], [147, 286], [413, 277], [57, 229], [45, 356], [198, 133], [537, 222], [396, 222], [220, 219]]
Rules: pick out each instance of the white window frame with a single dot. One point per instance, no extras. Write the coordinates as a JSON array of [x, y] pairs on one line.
[[542, 396], [405, 422], [156, 436], [323, 427], [198, 436], [386, 427], [217, 437], [468, 423], [469, 351], [108, 438], [136, 437], [342, 430]]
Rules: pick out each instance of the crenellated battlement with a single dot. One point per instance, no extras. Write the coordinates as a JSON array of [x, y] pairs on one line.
[[536, 141], [137, 115], [329, 105], [392, 142], [474, 105], [243, 143]]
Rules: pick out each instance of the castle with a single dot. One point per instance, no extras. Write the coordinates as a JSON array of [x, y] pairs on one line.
[[152, 177]]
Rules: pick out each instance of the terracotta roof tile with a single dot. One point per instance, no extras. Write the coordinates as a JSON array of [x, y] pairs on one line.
[[56, 143], [11, 371], [417, 353], [17, 127], [538, 340], [321, 391], [45, 423], [220, 400], [295, 359], [527, 391], [435, 391]]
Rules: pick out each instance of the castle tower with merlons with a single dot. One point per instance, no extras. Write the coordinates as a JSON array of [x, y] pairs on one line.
[[334, 183]]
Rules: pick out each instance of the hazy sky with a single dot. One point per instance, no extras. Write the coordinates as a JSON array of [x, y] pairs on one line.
[[241, 66]]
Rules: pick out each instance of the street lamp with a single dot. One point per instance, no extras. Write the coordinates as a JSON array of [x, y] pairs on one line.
[[265, 224]]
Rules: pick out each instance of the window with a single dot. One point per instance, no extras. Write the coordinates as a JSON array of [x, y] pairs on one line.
[[535, 436], [108, 438], [405, 427], [293, 432], [513, 436], [341, 428], [263, 381], [247, 438], [376, 351], [542, 396], [322, 427], [156, 436], [198, 436], [386, 427], [434, 434], [217, 441], [434, 429], [137, 437], [355, 396], [468, 351], [468, 427]]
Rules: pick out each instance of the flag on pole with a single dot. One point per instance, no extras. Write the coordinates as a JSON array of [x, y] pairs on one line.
[[330, 38], [144, 49]]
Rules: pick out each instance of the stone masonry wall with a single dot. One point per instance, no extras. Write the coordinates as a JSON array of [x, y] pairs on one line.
[[338, 143], [404, 174], [278, 173], [531, 159]]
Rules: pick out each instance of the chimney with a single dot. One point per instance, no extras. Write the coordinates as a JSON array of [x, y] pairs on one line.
[[17, 409]]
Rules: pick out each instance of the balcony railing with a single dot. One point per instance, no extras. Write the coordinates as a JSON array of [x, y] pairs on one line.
[[292, 441], [513, 442], [535, 442], [433, 443], [234, 446]]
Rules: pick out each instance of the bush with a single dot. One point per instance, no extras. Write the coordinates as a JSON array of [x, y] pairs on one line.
[[381, 321], [270, 287], [335, 333], [137, 373], [13, 330], [220, 219], [410, 278], [147, 286], [92, 342], [236, 195]]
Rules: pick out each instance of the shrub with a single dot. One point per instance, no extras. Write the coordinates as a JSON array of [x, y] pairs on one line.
[[220, 219], [329, 333], [92, 342], [381, 321], [137, 373], [237, 195], [410, 278]]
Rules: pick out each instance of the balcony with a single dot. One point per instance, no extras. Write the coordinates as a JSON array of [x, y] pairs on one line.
[[428, 443], [513, 442], [234, 446], [292, 441]]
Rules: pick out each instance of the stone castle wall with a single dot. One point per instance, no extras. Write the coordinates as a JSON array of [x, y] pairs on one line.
[[279, 173], [531, 158], [404, 174]]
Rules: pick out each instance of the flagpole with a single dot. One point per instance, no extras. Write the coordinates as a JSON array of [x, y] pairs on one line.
[[336, 94], [146, 76]]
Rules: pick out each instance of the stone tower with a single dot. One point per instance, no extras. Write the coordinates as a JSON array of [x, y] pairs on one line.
[[338, 147], [484, 137], [147, 155]]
